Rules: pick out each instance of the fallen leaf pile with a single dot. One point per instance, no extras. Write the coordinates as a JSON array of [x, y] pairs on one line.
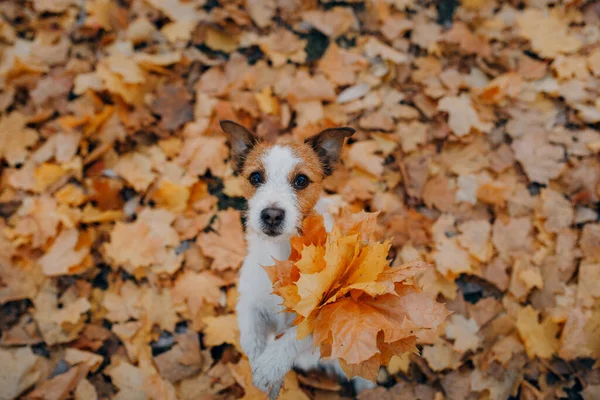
[[358, 310], [477, 143]]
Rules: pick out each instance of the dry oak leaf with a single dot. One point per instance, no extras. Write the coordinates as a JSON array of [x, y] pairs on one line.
[[462, 116], [540, 339], [548, 34], [226, 246], [149, 242]]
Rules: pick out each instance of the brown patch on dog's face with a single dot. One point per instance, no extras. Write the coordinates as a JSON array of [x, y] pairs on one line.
[[310, 167], [252, 164]]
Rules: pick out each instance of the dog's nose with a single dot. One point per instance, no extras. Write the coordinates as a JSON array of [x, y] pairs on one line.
[[272, 217]]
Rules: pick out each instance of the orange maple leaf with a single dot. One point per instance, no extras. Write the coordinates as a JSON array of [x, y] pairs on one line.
[[343, 292]]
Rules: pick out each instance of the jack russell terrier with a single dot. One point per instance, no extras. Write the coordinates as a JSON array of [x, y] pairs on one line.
[[283, 184]]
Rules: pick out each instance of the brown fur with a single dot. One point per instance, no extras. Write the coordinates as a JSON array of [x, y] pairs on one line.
[[252, 164], [312, 168]]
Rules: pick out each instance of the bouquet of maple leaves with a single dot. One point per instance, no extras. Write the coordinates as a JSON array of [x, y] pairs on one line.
[[343, 291]]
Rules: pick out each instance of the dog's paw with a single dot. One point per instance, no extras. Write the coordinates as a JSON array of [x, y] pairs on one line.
[[267, 383], [267, 377]]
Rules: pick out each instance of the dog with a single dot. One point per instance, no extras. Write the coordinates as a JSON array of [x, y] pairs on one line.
[[283, 184]]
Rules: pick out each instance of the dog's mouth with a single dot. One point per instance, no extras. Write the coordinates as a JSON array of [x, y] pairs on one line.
[[272, 232]]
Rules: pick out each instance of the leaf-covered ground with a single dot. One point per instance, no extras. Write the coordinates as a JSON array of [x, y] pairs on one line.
[[121, 235]]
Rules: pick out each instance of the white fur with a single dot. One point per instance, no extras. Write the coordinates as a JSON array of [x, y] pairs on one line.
[[260, 315]]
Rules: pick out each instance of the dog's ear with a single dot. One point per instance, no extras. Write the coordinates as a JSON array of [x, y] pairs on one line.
[[242, 141], [328, 146]]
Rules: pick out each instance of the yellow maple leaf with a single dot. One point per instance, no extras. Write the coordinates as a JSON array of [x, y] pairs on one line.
[[343, 291], [539, 338]]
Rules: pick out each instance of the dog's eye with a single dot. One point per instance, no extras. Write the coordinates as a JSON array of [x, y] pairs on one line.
[[256, 178], [301, 182]]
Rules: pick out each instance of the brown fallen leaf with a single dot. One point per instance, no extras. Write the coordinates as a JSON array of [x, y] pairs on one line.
[[204, 153], [60, 386], [477, 142], [15, 138], [173, 105], [441, 356], [549, 35], [539, 338], [243, 376], [183, 360], [221, 329], [462, 116], [149, 242], [91, 360], [19, 371], [229, 253], [68, 251], [464, 332]]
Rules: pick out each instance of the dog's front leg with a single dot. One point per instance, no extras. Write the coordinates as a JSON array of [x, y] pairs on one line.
[[254, 330], [276, 360]]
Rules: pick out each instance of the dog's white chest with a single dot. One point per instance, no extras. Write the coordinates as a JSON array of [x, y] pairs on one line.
[[254, 285]]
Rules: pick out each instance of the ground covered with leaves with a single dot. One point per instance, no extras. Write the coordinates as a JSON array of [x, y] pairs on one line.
[[478, 140]]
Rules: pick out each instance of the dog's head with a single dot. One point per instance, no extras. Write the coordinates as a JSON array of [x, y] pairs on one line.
[[283, 182]]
